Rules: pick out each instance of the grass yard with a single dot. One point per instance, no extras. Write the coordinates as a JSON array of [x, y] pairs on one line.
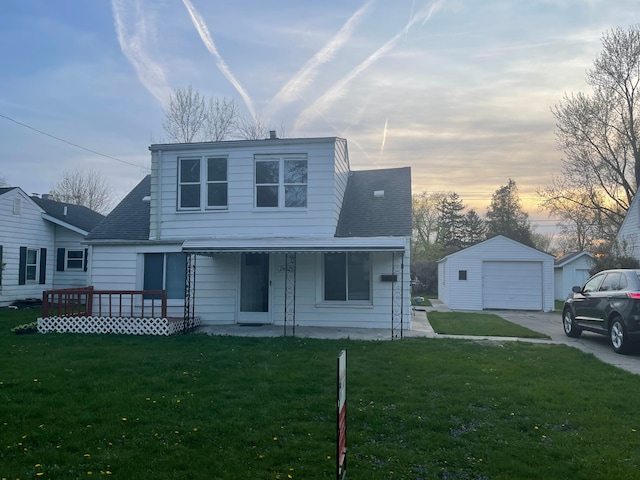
[[485, 324], [198, 407]]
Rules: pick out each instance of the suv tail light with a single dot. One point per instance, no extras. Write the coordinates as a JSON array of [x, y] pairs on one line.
[[634, 295]]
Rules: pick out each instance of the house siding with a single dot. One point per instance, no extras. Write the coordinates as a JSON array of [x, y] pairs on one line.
[[27, 229], [68, 240], [468, 294], [241, 217], [628, 237]]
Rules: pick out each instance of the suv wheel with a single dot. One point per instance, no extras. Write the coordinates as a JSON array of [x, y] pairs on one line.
[[569, 325], [618, 336]]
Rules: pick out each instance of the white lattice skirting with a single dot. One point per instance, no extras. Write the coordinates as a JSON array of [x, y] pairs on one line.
[[119, 325]]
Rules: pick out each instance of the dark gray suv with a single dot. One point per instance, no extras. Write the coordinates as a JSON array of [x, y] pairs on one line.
[[609, 304]]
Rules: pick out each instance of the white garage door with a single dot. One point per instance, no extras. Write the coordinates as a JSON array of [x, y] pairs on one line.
[[512, 285]]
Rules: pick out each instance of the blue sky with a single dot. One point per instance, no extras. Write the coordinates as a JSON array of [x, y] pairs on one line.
[[460, 90]]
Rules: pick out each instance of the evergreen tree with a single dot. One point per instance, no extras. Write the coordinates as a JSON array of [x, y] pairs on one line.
[[451, 222], [505, 215], [474, 229]]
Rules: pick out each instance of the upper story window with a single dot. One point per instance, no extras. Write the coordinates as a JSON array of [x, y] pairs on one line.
[[202, 183], [281, 181]]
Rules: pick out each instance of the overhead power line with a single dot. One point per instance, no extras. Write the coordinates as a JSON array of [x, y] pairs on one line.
[[70, 143]]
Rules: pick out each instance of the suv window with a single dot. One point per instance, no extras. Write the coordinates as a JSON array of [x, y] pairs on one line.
[[592, 285], [611, 282]]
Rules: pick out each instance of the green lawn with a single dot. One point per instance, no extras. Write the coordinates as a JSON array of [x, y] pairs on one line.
[[485, 324], [198, 407]]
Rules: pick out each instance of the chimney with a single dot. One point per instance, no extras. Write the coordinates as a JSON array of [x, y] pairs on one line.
[[45, 196], [273, 135]]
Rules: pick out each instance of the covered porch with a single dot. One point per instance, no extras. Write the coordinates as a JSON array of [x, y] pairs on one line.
[[282, 283]]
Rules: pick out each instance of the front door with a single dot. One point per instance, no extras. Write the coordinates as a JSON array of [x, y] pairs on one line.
[[254, 288]]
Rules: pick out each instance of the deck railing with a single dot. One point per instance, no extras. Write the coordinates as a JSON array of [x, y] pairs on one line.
[[86, 301]]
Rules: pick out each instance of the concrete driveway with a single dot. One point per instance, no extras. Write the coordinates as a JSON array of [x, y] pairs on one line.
[[551, 325]]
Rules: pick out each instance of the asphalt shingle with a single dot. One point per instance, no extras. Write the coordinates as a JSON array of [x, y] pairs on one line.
[[365, 215], [130, 219], [76, 215]]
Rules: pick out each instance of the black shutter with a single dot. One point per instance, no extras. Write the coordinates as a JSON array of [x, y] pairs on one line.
[[22, 266], [43, 266], [1, 266], [60, 261], [86, 258]]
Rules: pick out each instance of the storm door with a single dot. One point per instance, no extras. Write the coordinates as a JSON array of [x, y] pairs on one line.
[[254, 288]]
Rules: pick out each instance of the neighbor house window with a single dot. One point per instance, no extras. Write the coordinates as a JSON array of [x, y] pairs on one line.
[[202, 183], [17, 206], [281, 181], [71, 259], [32, 265], [165, 271], [347, 277], [462, 274], [75, 260]]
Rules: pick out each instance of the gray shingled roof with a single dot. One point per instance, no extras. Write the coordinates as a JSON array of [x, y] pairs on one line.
[[4, 190], [130, 219], [82, 217], [364, 215]]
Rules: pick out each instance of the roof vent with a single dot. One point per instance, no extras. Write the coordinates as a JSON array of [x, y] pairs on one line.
[[378, 194], [64, 211], [272, 135], [146, 199]]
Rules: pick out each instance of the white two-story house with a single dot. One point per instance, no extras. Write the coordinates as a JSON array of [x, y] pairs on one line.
[[275, 231]]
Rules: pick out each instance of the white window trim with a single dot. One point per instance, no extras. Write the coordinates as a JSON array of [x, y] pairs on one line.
[[203, 183], [321, 302], [67, 258], [281, 185], [31, 281]]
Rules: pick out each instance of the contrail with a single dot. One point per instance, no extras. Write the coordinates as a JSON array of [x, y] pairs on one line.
[[336, 90], [133, 45], [303, 77], [203, 31], [384, 136]]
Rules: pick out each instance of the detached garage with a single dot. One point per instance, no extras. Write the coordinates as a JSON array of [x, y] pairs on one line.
[[498, 273]]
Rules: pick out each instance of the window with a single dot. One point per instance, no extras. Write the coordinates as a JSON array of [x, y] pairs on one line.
[[192, 195], [347, 277], [75, 260], [592, 285], [281, 181], [462, 274], [165, 271], [32, 266], [17, 206]]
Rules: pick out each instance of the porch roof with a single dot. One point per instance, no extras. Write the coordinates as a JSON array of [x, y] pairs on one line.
[[295, 244]]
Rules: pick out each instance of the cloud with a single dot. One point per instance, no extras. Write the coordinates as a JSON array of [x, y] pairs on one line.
[[133, 35], [335, 92], [205, 36], [293, 89]]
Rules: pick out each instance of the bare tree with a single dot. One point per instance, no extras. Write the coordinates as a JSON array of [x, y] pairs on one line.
[[3, 182], [598, 134], [86, 188], [220, 119], [185, 117], [252, 128]]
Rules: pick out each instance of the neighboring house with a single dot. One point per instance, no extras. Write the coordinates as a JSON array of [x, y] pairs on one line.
[[628, 238], [276, 231], [498, 273], [570, 270], [40, 244]]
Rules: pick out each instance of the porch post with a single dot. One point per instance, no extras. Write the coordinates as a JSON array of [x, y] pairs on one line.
[[290, 293], [190, 291], [397, 293]]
